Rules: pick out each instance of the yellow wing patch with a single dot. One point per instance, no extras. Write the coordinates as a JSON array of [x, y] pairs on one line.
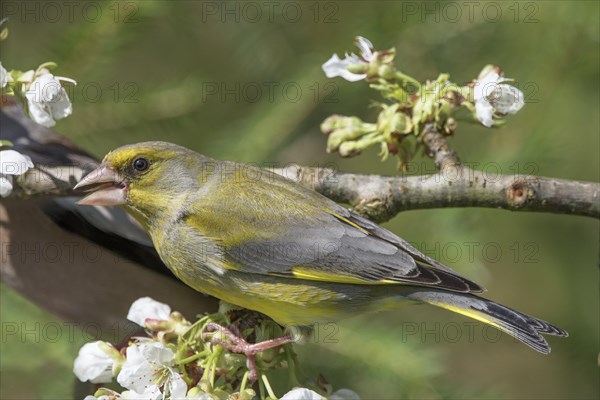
[[346, 220], [313, 275], [477, 315]]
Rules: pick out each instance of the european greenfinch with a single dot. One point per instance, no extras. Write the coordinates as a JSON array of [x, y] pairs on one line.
[[257, 240]]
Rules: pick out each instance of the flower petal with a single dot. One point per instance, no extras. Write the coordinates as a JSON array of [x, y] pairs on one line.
[[48, 100], [177, 386], [5, 185], [14, 163], [44, 89], [146, 307], [3, 76], [484, 111], [39, 114], [152, 392], [486, 85], [338, 67], [344, 394], [61, 107], [136, 372], [62, 78], [302, 394], [102, 397], [156, 352], [508, 99], [93, 364], [366, 48], [144, 363]]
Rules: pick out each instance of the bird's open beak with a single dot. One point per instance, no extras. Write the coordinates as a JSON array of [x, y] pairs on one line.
[[105, 186]]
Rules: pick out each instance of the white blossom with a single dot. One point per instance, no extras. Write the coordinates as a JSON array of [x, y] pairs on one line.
[[94, 364], [366, 48], [485, 112], [302, 394], [6, 185], [48, 100], [148, 372], [12, 163], [152, 393], [492, 96], [339, 67], [3, 76], [146, 307], [344, 394], [307, 394], [103, 397]]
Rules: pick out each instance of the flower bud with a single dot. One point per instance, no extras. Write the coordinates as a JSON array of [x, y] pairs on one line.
[[349, 149], [336, 121], [339, 136]]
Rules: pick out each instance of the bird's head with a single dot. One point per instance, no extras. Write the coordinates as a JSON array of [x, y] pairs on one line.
[[145, 177]]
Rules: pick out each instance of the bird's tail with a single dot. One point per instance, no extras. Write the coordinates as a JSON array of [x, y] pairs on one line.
[[527, 329]]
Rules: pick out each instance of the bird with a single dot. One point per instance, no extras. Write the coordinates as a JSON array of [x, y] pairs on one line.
[[260, 241]]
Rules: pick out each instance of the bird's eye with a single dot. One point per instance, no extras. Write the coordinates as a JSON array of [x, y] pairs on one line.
[[141, 164]]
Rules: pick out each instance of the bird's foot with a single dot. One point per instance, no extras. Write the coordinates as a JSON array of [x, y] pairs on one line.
[[239, 345]]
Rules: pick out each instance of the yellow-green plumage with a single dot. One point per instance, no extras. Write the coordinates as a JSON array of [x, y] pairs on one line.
[[263, 242]]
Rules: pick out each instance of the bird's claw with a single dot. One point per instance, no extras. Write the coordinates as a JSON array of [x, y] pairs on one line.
[[240, 345]]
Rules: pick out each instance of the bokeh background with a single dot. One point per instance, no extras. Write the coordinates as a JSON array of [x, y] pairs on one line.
[[242, 81]]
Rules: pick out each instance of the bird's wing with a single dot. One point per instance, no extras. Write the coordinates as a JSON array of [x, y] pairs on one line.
[[275, 227]]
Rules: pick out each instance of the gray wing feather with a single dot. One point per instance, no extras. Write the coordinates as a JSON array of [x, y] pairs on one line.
[[337, 247]]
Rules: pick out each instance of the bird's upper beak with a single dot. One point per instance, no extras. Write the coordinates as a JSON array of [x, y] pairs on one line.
[[106, 187]]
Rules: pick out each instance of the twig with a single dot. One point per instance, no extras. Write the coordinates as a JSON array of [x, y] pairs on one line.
[[443, 155], [49, 181], [380, 198], [454, 185], [59, 165]]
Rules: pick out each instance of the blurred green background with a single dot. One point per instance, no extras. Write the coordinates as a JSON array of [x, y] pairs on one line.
[[242, 81]]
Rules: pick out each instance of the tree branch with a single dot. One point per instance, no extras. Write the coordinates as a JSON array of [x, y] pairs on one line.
[[438, 148], [59, 165], [50, 181], [380, 198]]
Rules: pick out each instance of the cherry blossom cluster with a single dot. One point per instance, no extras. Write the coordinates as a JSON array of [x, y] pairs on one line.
[[176, 360], [46, 101], [409, 104]]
